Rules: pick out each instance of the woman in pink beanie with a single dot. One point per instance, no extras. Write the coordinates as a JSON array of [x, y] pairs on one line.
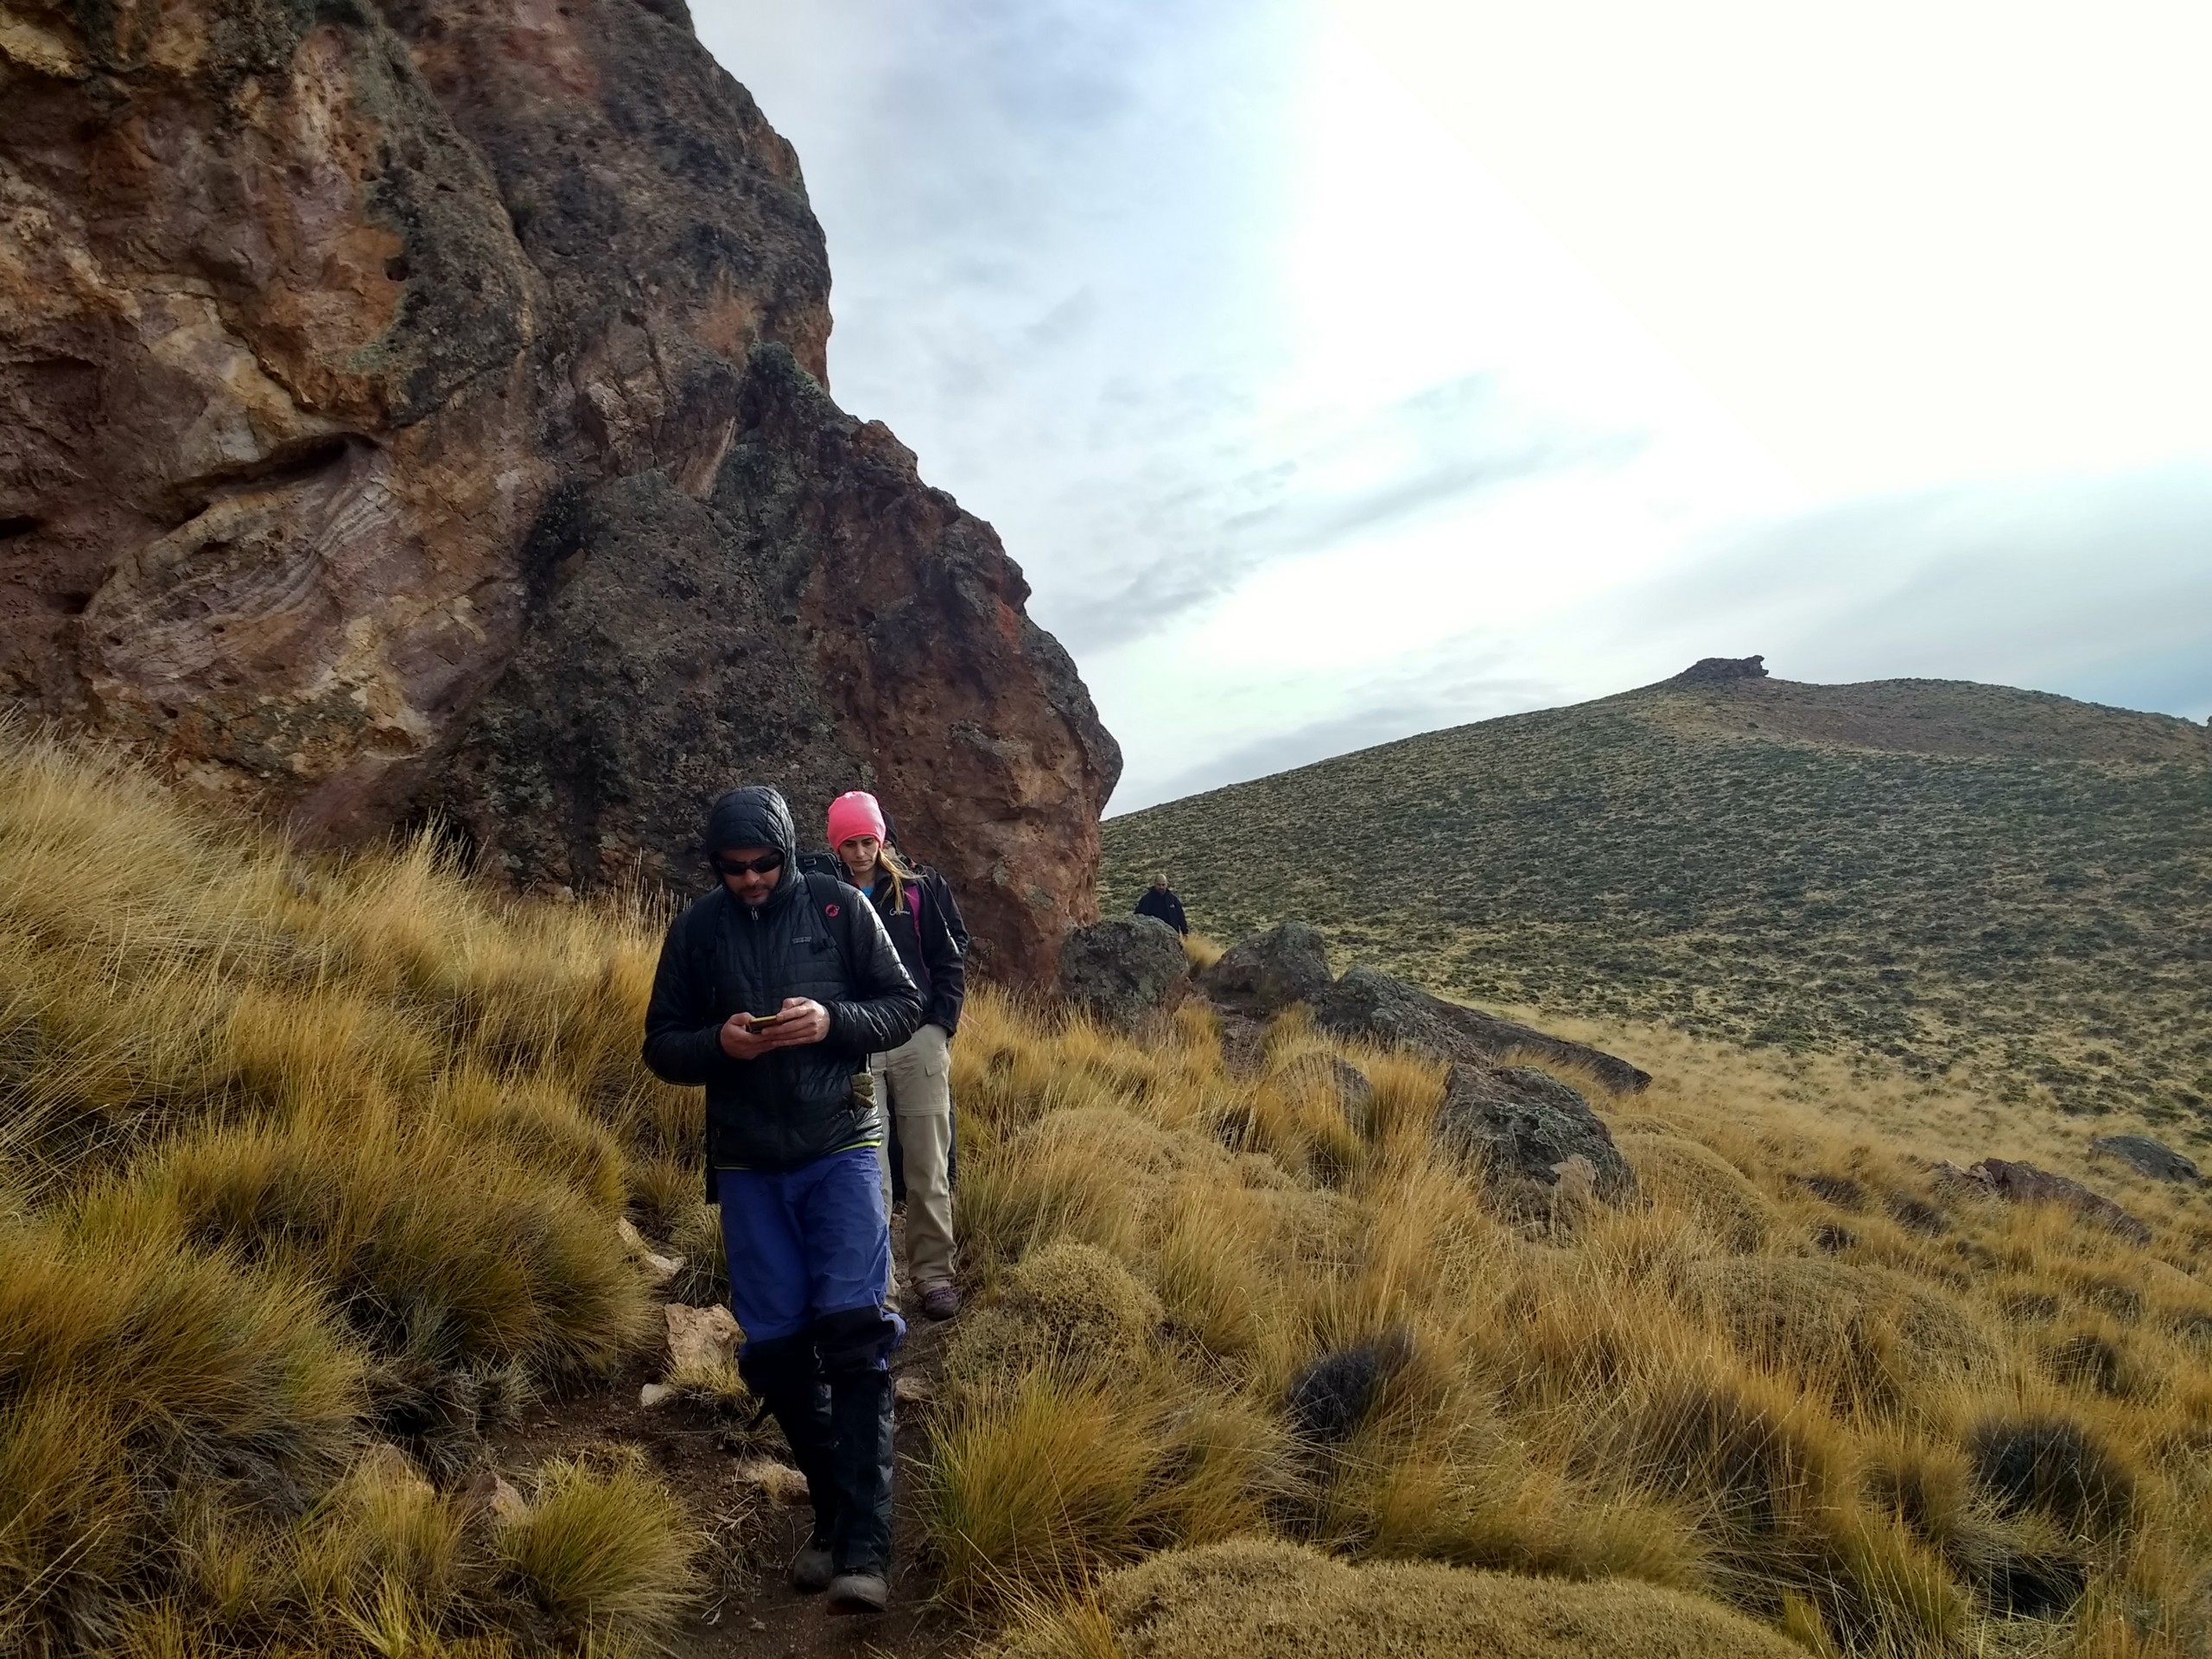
[[914, 1079]]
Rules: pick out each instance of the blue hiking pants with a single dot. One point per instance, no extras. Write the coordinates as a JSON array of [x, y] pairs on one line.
[[809, 1266], [804, 1243]]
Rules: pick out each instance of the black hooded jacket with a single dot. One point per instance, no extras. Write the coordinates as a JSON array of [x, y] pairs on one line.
[[814, 937]]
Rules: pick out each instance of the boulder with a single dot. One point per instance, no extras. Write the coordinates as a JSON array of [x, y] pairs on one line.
[[778, 1482], [2147, 1156], [661, 1269], [1331, 1397], [2023, 1183], [491, 1493], [416, 412], [1526, 1128], [1269, 971], [1122, 969], [1367, 1002], [1720, 671], [700, 1339]]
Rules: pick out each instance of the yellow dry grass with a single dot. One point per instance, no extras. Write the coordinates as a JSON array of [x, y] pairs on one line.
[[1864, 1411], [292, 1148], [297, 1152], [1251, 1599]]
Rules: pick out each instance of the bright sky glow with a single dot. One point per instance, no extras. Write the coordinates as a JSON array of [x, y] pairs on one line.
[[1340, 373]]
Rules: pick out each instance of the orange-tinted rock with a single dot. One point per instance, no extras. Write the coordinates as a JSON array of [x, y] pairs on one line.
[[374, 385]]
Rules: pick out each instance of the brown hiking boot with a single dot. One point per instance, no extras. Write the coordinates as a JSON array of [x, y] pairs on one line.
[[940, 1302]]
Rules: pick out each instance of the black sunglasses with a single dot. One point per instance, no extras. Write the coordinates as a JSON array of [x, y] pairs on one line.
[[759, 865]]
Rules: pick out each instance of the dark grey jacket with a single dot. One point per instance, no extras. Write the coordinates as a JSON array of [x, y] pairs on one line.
[[815, 937]]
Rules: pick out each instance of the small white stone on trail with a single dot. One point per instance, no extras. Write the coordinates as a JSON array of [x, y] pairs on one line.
[[700, 1338], [911, 1389], [779, 1481], [655, 1393], [663, 1268]]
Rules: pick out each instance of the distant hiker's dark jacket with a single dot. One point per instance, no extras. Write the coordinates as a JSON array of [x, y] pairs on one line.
[[815, 937], [1162, 905], [933, 943]]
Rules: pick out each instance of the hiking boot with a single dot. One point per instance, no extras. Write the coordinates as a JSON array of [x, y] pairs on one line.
[[812, 1569], [940, 1302], [859, 1590]]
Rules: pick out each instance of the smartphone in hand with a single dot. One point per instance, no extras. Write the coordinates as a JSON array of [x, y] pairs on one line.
[[757, 1023]]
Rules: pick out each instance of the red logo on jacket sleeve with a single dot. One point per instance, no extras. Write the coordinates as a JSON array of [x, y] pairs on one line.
[[829, 909]]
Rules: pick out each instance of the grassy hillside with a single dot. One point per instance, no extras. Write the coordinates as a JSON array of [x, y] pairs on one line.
[[1948, 875], [310, 1171]]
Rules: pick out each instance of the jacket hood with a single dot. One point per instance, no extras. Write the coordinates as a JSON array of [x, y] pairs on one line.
[[754, 816]]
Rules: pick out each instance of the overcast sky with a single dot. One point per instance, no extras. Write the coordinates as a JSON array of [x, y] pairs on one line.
[[1340, 373]]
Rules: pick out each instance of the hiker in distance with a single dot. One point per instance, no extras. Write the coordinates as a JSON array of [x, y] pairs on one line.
[[1161, 903], [773, 991], [918, 911]]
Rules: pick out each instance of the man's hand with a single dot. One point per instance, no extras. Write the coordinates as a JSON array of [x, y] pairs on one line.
[[803, 1021]]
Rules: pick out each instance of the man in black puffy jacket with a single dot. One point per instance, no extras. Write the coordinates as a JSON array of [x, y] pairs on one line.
[[771, 992]]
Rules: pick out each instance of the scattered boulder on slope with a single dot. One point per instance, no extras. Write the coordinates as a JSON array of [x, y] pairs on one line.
[[1124, 967], [2147, 1155], [1526, 1128], [1367, 1002], [1269, 971], [2023, 1183], [1253, 1599], [1331, 1398]]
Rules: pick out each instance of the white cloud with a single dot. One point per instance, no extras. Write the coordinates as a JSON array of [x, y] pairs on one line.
[[1310, 431]]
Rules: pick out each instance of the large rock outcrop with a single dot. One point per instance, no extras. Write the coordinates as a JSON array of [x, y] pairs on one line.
[[1367, 1002], [416, 407]]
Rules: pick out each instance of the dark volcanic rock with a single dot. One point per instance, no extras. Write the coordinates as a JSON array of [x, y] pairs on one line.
[[1331, 1398], [361, 361], [1719, 670], [1269, 971], [872, 636], [1838, 1190], [2147, 1156], [2022, 1183], [1369, 1003], [1521, 1126], [1124, 967]]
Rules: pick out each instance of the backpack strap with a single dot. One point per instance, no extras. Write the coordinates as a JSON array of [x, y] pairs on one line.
[[822, 894]]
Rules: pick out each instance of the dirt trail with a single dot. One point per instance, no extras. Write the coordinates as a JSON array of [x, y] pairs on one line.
[[746, 1609]]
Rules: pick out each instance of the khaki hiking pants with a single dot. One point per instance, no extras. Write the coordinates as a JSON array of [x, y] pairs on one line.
[[915, 1082]]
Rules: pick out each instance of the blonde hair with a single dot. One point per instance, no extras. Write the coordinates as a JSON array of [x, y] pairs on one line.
[[889, 860]]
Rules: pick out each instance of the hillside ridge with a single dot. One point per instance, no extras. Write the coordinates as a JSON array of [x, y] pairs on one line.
[[1943, 875]]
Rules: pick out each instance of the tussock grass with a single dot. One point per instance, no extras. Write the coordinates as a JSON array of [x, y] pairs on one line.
[[302, 1158], [1796, 1377], [1245, 1599], [295, 1154]]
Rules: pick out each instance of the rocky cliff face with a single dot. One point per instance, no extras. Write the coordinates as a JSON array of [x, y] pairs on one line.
[[420, 408]]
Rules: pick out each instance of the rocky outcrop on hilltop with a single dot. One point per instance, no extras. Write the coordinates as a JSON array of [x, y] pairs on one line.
[[420, 409]]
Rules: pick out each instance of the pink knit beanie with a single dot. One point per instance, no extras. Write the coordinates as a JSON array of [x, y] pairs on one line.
[[854, 813]]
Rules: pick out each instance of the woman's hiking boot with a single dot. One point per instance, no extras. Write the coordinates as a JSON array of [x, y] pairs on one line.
[[940, 1302], [860, 1591]]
